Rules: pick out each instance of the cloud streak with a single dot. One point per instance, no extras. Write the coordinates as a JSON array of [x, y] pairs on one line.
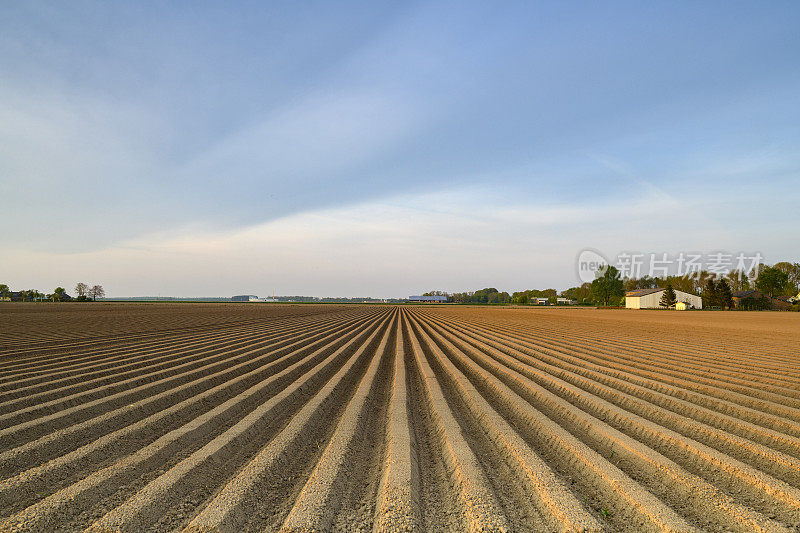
[[390, 248]]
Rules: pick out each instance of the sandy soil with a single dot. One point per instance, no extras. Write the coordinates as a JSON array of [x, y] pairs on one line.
[[253, 417]]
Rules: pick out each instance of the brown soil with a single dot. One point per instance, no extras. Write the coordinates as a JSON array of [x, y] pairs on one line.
[[234, 417]]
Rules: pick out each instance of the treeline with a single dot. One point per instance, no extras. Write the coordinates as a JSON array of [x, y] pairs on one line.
[[331, 299], [781, 280], [491, 295], [85, 293]]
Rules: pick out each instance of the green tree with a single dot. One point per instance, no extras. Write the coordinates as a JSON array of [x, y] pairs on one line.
[[772, 281], [5, 292], [681, 283], [668, 298], [34, 295], [608, 286], [725, 295], [520, 298], [82, 290], [737, 280], [582, 294], [792, 271], [710, 294], [58, 294]]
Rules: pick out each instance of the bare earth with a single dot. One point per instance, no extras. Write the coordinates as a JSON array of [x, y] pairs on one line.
[[245, 417]]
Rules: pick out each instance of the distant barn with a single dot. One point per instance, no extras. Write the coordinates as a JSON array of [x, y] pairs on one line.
[[428, 299], [753, 299], [244, 298]]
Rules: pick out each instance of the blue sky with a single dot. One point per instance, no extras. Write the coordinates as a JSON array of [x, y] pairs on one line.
[[316, 148]]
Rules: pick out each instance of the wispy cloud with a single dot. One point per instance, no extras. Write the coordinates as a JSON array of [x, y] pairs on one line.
[[454, 240]]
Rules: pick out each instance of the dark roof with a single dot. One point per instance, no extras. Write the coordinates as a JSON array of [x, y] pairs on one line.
[[428, 298], [643, 292], [745, 294]]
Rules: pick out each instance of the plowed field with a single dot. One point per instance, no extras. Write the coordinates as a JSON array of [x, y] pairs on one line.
[[252, 417]]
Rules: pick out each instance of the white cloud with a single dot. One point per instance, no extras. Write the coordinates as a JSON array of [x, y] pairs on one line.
[[452, 240]]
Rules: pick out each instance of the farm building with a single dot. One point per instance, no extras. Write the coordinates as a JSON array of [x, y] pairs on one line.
[[753, 299], [244, 298], [540, 301], [428, 299], [651, 299], [566, 301]]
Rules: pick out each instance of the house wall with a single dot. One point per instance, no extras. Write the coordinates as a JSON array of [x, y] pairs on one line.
[[633, 302], [653, 300], [650, 301], [696, 301]]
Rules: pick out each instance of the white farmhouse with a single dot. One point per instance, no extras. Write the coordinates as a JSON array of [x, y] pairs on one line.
[[651, 299]]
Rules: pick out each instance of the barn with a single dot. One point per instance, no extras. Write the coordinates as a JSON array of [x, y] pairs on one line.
[[428, 299], [651, 299], [754, 300], [244, 298]]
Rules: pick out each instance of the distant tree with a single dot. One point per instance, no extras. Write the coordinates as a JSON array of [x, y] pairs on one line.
[[648, 283], [710, 294], [724, 294], [582, 294], [435, 293], [607, 287], [58, 294], [5, 292], [700, 281], [549, 293], [96, 292], [34, 295], [82, 289], [630, 284], [585, 293], [520, 298], [668, 298], [792, 271], [772, 281], [737, 280], [681, 283], [571, 293]]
